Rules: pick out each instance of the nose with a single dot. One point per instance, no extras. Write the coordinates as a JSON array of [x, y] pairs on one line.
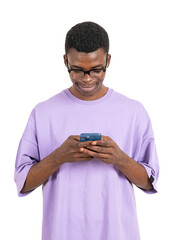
[[86, 78]]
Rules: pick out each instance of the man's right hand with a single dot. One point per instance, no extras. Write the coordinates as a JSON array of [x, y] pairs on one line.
[[69, 151]]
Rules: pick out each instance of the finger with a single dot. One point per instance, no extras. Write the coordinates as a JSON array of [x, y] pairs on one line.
[[106, 138], [84, 159], [76, 137], [92, 153], [88, 157], [81, 155], [100, 149], [104, 143], [84, 144]]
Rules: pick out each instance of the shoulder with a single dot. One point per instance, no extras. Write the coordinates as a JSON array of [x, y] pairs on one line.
[[51, 103], [135, 111], [128, 104]]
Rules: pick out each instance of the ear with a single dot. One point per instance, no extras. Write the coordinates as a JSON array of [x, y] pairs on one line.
[[65, 60], [109, 60]]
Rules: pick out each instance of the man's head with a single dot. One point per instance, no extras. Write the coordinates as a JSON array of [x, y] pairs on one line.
[[86, 57]]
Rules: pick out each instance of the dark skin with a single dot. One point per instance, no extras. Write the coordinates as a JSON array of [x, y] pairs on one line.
[[72, 150], [87, 61], [109, 152]]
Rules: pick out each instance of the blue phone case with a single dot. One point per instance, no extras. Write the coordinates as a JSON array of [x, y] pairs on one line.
[[90, 137]]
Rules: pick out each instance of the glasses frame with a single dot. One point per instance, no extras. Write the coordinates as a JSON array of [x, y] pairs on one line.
[[87, 72]]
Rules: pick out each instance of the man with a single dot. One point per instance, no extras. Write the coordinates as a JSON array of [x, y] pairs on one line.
[[88, 186]]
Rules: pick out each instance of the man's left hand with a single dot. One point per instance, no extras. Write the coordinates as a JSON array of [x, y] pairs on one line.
[[105, 149]]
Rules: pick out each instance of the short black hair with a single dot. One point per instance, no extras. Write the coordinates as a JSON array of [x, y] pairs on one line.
[[87, 37]]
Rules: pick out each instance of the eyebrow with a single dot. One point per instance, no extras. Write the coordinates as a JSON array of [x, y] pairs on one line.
[[99, 65]]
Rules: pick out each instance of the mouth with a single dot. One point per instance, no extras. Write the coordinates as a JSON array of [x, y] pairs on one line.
[[87, 88]]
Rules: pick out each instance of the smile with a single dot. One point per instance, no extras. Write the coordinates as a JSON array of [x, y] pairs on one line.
[[87, 88]]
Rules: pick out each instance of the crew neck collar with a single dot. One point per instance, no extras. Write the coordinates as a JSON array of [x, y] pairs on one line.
[[91, 102]]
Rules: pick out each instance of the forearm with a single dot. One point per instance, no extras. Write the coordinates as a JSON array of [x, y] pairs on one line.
[[135, 172], [40, 172]]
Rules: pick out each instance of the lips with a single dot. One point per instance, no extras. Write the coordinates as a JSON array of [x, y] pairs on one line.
[[87, 88]]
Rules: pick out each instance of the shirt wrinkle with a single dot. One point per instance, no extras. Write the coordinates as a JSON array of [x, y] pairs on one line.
[[30, 142], [88, 199]]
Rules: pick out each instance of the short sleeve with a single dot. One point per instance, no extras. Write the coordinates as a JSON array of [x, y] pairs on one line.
[[148, 154], [149, 160], [27, 154]]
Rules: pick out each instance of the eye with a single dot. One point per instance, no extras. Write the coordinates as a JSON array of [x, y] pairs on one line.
[[96, 70], [76, 70]]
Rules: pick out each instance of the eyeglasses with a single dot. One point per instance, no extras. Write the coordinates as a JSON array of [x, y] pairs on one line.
[[94, 73]]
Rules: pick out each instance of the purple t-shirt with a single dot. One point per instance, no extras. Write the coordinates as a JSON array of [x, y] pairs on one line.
[[88, 200]]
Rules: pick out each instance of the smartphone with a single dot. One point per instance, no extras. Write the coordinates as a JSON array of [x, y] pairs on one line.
[[90, 137]]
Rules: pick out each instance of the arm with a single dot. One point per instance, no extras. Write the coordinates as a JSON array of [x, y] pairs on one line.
[[40, 172], [109, 152], [134, 171]]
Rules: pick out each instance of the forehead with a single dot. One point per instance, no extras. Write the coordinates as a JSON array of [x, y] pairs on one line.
[[86, 59]]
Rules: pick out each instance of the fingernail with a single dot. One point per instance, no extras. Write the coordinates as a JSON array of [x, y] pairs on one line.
[[93, 143], [81, 149]]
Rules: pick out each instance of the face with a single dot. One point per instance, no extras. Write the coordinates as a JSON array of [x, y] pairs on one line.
[[87, 87]]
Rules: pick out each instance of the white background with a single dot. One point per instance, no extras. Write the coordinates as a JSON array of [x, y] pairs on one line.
[[143, 44]]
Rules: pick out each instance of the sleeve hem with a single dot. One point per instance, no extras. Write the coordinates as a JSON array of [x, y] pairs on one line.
[[20, 182], [152, 178]]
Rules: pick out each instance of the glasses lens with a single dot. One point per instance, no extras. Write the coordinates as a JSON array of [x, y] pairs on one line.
[[76, 74], [96, 73]]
